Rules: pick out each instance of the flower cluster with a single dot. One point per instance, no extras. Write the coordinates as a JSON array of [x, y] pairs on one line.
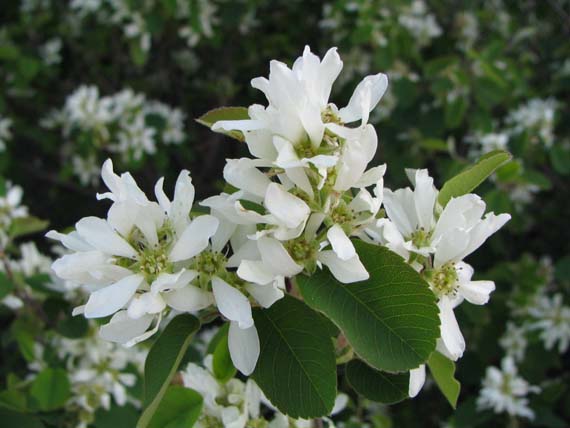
[[435, 240], [100, 372], [297, 203], [134, 23], [238, 404], [125, 123]]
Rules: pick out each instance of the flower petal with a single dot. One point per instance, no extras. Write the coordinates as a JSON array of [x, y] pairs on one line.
[[244, 347], [286, 207], [371, 89], [340, 243], [195, 238], [99, 233], [276, 257], [121, 328], [477, 292], [111, 298], [232, 303], [145, 303], [243, 174], [188, 298], [417, 380], [346, 271], [266, 295], [451, 344]]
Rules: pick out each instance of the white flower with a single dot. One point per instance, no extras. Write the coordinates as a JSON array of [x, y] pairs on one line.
[[141, 259], [552, 318], [88, 110], [537, 117], [505, 391], [514, 341], [232, 404], [98, 371], [51, 51], [421, 24], [300, 128], [435, 241]]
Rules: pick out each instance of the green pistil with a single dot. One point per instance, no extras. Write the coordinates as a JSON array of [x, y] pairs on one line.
[[421, 238], [305, 149], [342, 214], [303, 252], [443, 280], [209, 264], [153, 262], [208, 421], [329, 116]]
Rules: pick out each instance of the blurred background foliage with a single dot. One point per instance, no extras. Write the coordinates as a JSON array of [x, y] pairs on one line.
[[465, 78]]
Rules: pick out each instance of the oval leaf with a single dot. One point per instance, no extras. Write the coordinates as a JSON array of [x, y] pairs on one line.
[[296, 367], [225, 113], [468, 180], [377, 386], [443, 371], [391, 320], [163, 360], [180, 408], [51, 389]]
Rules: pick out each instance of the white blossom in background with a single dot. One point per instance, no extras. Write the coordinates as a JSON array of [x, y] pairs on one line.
[[302, 139], [481, 144], [207, 19], [51, 51], [504, 391], [10, 208], [5, 132], [126, 123], [421, 24], [468, 26], [551, 318], [147, 259], [100, 373], [514, 341], [86, 169], [537, 118], [231, 405]]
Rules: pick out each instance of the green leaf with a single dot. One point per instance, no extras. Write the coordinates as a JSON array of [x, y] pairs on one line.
[[24, 333], [6, 286], [223, 367], [163, 360], [117, 416], [13, 419], [225, 113], [26, 225], [377, 386], [13, 399], [180, 408], [560, 159], [296, 367], [391, 320], [222, 331], [51, 389], [466, 181], [455, 112], [443, 371]]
